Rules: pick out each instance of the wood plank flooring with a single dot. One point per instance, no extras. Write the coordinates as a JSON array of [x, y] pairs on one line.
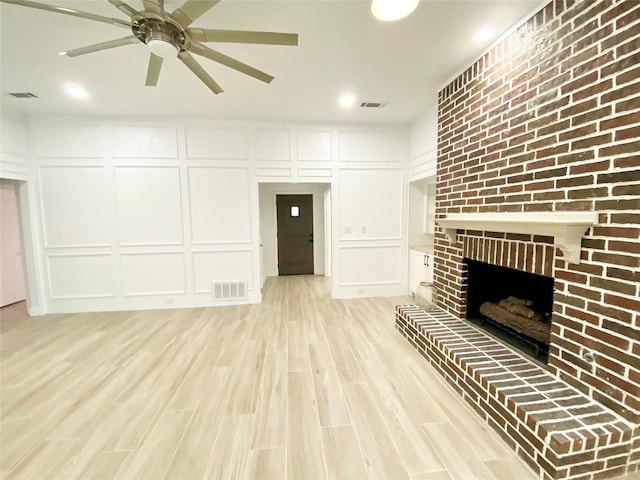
[[299, 387]]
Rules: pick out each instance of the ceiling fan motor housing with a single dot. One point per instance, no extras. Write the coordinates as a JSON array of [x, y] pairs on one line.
[[163, 38]]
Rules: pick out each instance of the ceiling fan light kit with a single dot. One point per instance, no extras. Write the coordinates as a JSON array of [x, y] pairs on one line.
[[162, 38], [162, 48], [167, 35]]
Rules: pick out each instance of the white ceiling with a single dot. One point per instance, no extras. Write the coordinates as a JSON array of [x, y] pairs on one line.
[[341, 48]]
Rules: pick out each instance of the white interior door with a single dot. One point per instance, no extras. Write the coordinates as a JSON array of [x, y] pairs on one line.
[[12, 287]]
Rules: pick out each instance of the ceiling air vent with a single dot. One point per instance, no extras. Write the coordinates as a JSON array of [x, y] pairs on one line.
[[373, 104], [23, 95]]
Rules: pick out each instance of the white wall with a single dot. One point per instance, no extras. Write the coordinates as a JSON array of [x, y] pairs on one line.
[[424, 145], [13, 145], [147, 214], [369, 215], [267, 195]]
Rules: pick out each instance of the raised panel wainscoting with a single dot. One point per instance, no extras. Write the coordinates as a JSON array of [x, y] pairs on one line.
[[141, 214]]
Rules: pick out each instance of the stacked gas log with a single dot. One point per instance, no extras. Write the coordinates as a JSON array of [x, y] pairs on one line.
[[517, 314]]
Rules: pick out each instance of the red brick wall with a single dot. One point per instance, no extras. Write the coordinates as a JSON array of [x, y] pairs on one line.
[[549, 120]]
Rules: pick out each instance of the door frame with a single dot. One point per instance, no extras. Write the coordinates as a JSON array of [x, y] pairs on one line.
[[12, 291], [327, 233]]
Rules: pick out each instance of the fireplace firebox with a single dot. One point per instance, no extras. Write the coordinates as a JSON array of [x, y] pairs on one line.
[[511, 304]]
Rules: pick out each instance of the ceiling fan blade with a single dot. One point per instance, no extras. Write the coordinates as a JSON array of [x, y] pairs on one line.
[[124, 8], [242, 36], [153, 71], [216, 56], [192, 10], [69, 11], [102, 46], [195, 67], [154, 7]]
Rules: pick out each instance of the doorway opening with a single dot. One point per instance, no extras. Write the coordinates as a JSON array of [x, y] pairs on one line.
[[269, 229], [12, 271]]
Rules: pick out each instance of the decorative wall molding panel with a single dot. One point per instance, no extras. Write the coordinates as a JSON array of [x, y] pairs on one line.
[[273, 145], [314, 146], [85, 275], [219, 202], [370, 202], [149, 202], [371, 146], [75, 206], [356, 267], [273, 172], [153, 274], [72, 141], [217, 143], [144, 142]]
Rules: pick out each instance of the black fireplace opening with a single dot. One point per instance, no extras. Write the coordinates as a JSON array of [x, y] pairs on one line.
[[510, 304]]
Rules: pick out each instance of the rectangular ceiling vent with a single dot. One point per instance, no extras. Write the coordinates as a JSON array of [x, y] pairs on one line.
[[373, 104], [23, 95], [236, 290]]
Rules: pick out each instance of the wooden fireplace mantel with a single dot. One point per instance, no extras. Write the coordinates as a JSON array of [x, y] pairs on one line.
[[566, 228]]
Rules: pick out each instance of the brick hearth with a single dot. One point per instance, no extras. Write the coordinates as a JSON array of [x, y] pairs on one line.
[[556, 429]]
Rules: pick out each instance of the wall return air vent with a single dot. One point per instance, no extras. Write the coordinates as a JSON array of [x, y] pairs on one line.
[[236, 290]]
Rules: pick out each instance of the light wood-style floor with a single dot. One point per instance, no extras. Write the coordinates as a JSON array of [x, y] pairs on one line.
[[299, 387]]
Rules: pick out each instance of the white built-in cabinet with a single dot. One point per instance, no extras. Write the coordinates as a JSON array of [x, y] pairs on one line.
[[420, 268]]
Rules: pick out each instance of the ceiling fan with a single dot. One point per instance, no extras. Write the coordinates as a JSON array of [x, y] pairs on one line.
[[169, 35]]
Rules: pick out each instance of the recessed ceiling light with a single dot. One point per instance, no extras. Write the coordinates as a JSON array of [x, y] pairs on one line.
[[389, 10], [62, 53], [75, 91], [347, 100], [484, 33]]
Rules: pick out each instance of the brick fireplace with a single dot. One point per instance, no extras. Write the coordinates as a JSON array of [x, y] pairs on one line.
[[548, 121]]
